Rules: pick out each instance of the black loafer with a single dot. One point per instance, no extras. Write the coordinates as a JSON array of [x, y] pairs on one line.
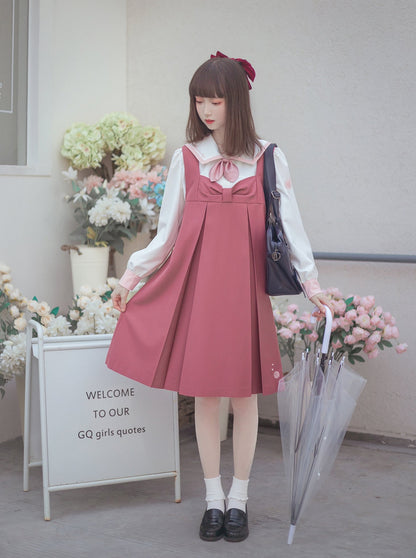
[[212, 525], [235, 525]]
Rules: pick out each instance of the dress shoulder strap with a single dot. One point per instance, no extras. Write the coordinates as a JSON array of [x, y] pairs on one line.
[[191, 164]]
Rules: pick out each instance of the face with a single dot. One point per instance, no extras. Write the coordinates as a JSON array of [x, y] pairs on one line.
[[212, 112]]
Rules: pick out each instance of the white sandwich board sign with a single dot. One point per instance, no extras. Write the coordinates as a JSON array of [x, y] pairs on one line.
[[96, 426]]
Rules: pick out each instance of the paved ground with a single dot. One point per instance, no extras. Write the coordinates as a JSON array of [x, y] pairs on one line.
[[368, 510]]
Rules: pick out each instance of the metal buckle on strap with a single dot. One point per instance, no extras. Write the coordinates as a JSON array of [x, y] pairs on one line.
[[275, 194], [276, 255]]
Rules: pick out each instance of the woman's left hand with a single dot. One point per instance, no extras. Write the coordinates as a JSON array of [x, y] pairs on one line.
[[320, 300]]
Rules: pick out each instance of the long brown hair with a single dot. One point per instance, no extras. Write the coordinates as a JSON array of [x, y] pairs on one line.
[[224, 78]]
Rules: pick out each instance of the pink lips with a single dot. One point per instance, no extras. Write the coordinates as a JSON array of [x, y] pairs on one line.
[[209, 121]]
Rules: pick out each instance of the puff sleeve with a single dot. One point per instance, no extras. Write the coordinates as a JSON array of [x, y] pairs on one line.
[[301, 251], [143, 262]]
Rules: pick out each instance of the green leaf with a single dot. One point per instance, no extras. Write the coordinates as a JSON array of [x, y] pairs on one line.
[[355, 358], [106, 296], [349, 301], [386, 343], [55, 311], [118, 244]]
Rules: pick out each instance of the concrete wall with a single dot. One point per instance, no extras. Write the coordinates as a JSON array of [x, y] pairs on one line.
[[82, 76], [335, 88]]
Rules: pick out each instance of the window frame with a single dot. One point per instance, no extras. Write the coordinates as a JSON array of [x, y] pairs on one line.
[[38, 161]]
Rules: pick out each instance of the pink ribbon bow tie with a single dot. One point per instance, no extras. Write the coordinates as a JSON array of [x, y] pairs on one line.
[[224, 168]]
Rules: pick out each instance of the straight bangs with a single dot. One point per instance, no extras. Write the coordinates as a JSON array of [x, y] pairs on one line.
[[207, 83]]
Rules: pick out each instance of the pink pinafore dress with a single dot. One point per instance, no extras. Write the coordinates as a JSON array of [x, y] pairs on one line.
[[203, 325]]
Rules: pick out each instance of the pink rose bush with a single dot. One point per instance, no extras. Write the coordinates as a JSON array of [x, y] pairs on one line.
[[360, 328]]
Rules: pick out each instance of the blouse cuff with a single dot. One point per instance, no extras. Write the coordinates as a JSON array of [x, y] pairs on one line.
[[312, 287], [129, 280]]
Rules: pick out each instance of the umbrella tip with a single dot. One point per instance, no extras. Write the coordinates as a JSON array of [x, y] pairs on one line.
[[292, 530]]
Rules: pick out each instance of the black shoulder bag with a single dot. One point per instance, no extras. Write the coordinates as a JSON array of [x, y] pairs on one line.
[[281, 277]]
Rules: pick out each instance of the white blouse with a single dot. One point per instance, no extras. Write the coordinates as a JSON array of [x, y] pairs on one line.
[[146, 261]]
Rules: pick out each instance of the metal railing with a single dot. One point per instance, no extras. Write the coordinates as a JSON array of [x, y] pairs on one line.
[[356, 257]]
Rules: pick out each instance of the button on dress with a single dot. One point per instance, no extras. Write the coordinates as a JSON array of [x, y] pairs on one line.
[[203, 325]]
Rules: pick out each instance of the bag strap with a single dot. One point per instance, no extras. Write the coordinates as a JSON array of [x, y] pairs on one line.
[[271, 194]]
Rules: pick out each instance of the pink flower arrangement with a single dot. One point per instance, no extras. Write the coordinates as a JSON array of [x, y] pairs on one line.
[[359, 326], [108, 212], [141, 184]]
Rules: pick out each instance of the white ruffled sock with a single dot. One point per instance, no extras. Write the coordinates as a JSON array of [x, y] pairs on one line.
[[215, 496], [237, 497]]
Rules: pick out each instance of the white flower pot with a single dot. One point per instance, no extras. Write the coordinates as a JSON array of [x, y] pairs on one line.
[[90, 267]]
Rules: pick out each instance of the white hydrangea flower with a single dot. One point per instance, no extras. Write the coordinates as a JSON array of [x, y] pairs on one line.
[[82, 302], [99, 214], [4, 268], [85, 290], [13, 357], [85, 326], [92, 308], [58, 326], [120, 211], [105, 324], [108, 307], [109, 208]]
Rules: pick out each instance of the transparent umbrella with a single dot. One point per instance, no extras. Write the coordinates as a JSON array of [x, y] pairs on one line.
[[316, 401]]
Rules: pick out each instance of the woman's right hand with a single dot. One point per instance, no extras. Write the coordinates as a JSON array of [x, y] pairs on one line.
[[119, 298]]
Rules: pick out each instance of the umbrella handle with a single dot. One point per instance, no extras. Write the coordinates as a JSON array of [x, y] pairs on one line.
[[327, 332], [328, 328]]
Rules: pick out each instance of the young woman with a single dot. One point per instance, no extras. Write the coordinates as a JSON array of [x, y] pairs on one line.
[[202, 325]]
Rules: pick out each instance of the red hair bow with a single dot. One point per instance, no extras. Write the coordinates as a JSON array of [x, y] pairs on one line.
[[248, 68]]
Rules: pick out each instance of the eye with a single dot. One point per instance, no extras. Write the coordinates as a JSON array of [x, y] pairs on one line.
[[198, 101]]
